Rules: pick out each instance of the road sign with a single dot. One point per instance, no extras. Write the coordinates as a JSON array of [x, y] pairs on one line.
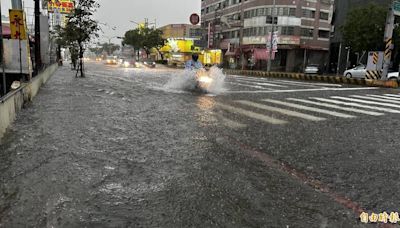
[[63, 6], [17, 25], [194, 19], [396, 8]]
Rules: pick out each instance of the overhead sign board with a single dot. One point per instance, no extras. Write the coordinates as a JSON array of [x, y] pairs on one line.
[[63, 6]]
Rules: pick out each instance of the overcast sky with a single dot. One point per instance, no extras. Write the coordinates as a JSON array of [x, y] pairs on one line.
[[118, 13]]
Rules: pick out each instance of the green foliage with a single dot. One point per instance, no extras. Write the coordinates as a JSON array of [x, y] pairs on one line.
[[144, 38], [364, 28], [105, 47], [79, 30]]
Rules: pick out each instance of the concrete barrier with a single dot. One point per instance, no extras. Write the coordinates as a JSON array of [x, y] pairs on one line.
[[13, 101], [329, 79]]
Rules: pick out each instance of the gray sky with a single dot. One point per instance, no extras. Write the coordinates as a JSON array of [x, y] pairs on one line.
[[118, 13]]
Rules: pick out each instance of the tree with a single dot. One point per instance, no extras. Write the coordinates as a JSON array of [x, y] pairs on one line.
[[364, 28], [104, 47], [144, 38], [80, 28]]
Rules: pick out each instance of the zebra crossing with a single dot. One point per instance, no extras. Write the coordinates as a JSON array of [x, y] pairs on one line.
[[313, 109], [267, 84]]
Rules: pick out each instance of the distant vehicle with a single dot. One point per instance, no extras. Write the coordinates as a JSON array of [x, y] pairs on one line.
[[111, 60], [98, 59], [356, 72], [149, 63], [312, 69], [128, 63]]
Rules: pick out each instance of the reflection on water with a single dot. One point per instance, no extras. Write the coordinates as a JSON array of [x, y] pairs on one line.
[[206, 115]]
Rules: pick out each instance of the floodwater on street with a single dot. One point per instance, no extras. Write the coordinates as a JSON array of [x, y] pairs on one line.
[[131, 147]]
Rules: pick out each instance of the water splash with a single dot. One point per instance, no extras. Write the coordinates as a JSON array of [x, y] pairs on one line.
[[186, 81]]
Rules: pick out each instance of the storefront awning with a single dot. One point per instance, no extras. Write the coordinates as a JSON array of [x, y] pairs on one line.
[[262, 54]]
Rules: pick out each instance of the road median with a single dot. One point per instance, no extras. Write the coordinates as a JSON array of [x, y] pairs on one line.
[[320, 78]]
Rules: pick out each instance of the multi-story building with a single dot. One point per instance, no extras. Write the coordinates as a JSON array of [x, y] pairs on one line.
[[341, 9], [241, 28], [181, 31]]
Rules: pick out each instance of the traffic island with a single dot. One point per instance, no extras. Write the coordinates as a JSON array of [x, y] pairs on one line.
[[13, 102], [319, 78]]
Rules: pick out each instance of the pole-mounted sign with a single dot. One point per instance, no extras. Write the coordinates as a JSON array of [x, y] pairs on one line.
[[194, 19]]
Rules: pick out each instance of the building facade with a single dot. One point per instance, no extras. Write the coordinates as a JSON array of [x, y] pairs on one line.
[[241, 28], [181, 31]]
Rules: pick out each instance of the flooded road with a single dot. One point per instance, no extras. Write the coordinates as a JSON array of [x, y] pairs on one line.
[[120, 149]]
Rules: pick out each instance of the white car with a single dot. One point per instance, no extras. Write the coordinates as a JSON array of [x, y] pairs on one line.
[[393, 76], [356, 72], [360, 72]]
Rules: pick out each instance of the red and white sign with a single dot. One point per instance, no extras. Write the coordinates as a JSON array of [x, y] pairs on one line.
[[194, 19]]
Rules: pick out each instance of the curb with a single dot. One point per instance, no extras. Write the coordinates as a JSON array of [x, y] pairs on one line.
[[329, 79]]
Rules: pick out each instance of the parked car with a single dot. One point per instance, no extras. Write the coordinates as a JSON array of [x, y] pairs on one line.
[[356, 72], [393, 76], [313, 69]]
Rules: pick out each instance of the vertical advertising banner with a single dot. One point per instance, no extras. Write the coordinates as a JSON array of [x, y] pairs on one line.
[[210, 36], [17, 25]]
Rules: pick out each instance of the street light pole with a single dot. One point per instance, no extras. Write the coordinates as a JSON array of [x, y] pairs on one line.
[[38, 59], [2, 55], [272, 35], [348, 57]]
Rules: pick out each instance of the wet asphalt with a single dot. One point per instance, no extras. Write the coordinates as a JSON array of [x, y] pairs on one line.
[[119, 149]]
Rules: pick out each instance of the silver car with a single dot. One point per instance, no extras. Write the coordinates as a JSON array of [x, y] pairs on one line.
[[312, 69], [356, 72]]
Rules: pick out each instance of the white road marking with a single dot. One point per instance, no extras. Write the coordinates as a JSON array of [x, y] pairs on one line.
[[376, 99], [366, 102], [392, 95], [246, 85], [337, 107], [304, 90], [253, 115], [386, 97], [261, 83], [286, 81], [282, 111], [313, 84], [332, 113], [230, 123], [356, 105]]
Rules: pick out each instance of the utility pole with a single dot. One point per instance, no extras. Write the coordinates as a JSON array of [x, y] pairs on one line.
[[348, 57], [38, 59], [388, 42], [2, 55], [339, 59], [305, 57], [241, 58], [272, 37]]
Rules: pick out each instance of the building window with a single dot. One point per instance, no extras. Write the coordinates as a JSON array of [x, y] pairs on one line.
[[307, 32], [323, 34], [323, 16], [288, 31], [308, 13], [292, 12], [271, 20]]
